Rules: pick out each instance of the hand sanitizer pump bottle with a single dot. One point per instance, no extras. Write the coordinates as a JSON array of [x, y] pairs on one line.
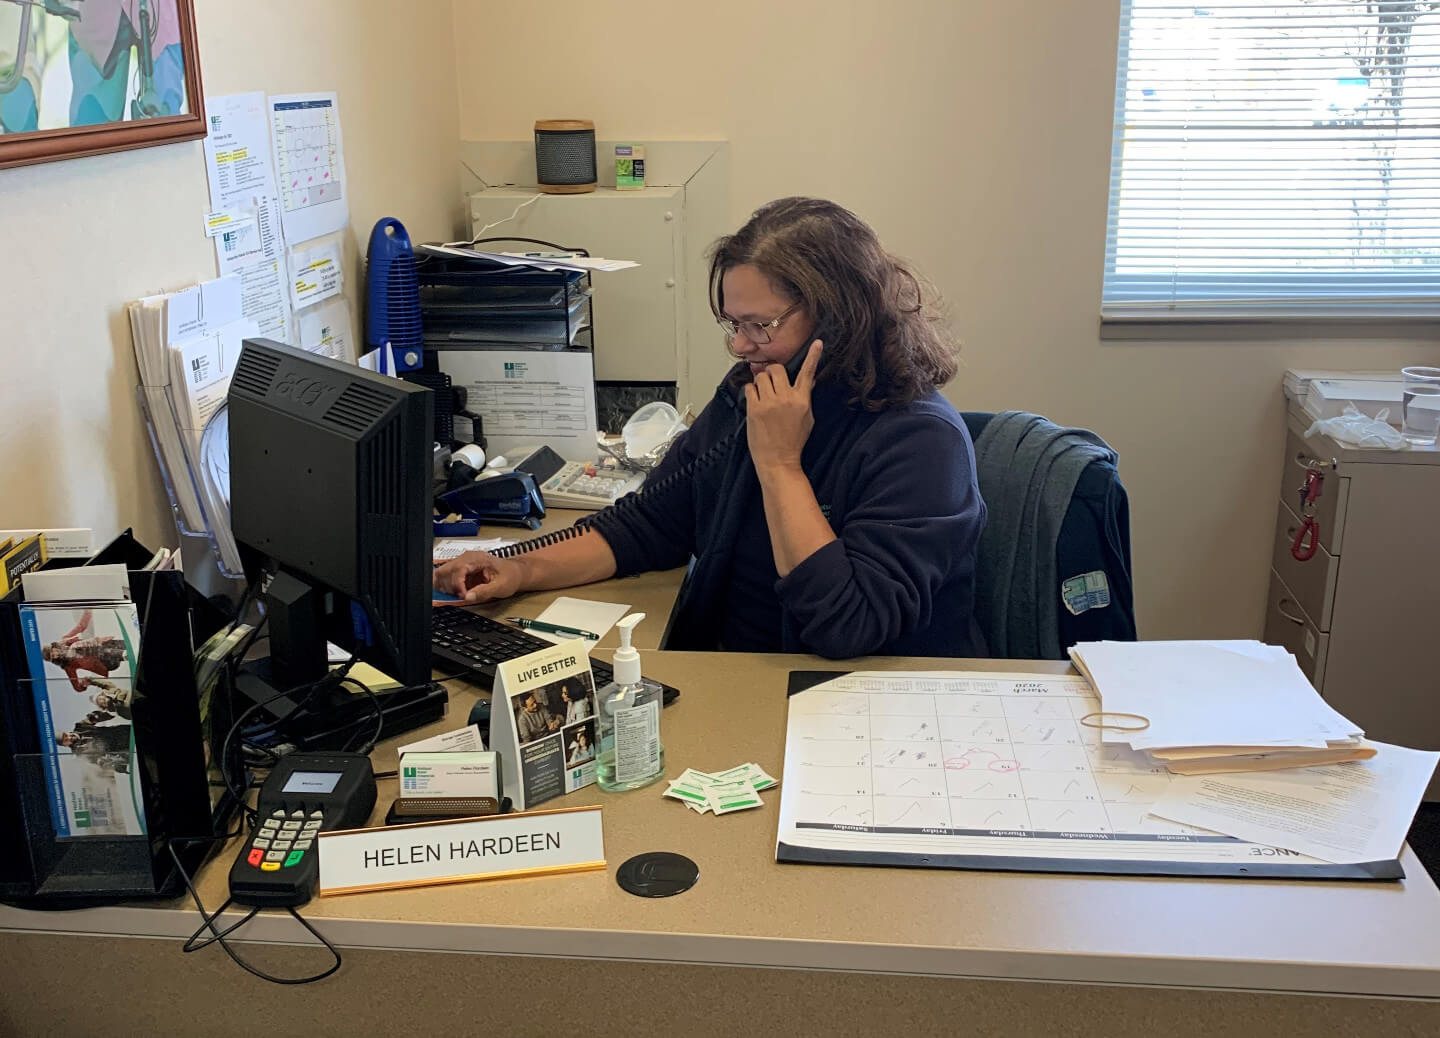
[[631, 754]]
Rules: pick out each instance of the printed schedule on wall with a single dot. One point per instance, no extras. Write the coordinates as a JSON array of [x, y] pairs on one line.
[[309, 164], [961, 769]]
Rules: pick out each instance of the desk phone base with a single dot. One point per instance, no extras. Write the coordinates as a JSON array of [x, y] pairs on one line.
[[573, 484]]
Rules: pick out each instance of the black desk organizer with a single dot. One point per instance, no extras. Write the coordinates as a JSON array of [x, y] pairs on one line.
[[478, 304], [41, 870]]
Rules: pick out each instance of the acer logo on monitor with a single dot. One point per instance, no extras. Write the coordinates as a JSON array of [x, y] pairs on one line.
[[304, 389]]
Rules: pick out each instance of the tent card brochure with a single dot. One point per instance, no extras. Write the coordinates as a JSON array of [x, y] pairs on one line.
[[542, 723], [973, 770]]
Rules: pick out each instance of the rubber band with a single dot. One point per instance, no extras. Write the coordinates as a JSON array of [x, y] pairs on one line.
[[1144, 721]]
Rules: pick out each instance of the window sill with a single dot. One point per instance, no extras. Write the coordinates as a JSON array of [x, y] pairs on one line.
[[1264, 329]]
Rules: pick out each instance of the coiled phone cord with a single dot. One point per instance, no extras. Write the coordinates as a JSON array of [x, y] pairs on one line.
[[677, 480]]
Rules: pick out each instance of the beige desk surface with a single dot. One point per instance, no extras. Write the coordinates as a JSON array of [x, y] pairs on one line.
[[1256, 935], [1346, 938]]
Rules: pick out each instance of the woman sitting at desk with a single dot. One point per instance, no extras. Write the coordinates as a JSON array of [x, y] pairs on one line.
[[827, 493]]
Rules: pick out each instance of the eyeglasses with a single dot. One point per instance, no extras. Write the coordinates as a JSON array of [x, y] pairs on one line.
[[756, 331]]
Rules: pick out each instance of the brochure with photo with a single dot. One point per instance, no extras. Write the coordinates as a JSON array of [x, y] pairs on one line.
[[542, 723], [82, 663]]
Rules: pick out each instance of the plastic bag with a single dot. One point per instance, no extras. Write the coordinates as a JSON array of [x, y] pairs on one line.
[[651, 429], [1360, 430]]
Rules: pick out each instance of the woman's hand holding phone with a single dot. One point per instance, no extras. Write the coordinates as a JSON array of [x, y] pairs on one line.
[[778, 415]]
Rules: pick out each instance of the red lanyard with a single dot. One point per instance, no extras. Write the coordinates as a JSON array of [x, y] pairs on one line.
[[1307, 538]]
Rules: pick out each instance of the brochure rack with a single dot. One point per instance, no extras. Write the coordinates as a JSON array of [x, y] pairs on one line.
[[181, 805]]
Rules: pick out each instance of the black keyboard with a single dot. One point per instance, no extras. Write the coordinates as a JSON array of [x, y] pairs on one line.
[[472, 645]]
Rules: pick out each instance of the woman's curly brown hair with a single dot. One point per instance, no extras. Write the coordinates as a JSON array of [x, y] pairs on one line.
[[881, 327]]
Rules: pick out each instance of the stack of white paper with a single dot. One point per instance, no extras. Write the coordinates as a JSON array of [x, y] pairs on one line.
[[1198, 707], [1297, 380], [187, 344], [541, 261], [177, 339], [186, 347], [1326, 398]]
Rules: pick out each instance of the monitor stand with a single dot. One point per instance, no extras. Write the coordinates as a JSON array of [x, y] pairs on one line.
[[333, 718]]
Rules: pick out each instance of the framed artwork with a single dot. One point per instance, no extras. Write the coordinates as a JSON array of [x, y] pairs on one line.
[[84, 77]]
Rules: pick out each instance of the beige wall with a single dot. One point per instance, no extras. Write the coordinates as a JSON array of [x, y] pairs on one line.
[[975, 136], [79, 239]]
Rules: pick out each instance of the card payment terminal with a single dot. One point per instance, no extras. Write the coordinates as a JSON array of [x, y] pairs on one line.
[[304, 794]]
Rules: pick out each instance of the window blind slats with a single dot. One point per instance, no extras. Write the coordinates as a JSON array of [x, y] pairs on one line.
[[1274, 158]]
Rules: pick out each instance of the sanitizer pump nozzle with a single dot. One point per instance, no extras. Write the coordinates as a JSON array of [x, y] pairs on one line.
[[626, 662]]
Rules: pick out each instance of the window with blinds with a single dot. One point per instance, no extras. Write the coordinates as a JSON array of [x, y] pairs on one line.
[[1275, 159]]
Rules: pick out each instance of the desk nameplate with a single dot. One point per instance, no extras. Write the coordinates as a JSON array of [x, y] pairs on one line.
[[457, 851]]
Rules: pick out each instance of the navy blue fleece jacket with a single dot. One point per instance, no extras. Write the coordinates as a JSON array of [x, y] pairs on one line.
[[898, 488]]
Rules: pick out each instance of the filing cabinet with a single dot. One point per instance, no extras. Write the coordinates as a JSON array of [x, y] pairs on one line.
[[1362, 615]]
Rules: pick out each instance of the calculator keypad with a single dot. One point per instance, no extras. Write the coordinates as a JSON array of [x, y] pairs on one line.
[[602, 486]]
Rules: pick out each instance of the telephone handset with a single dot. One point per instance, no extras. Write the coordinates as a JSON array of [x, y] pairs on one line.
[[795, 363]]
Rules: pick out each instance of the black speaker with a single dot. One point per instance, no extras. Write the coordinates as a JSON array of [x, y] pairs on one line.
[[565, 156]]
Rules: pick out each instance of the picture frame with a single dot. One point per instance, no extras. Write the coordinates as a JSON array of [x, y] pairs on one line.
[[120, 95]]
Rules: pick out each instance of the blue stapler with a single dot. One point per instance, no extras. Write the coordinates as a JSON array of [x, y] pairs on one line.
[[509, 499]]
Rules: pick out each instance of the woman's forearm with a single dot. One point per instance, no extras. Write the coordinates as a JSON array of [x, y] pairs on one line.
[[798, 529], [580, 560]]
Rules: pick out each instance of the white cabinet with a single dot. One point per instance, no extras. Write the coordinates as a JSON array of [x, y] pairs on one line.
[[653, 324], [639, 314]]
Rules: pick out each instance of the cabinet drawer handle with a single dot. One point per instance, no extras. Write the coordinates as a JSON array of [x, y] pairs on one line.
[[1280, 608], [1307, 462]]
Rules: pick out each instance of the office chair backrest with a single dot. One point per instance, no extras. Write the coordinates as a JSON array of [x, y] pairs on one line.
[[1054, 563]]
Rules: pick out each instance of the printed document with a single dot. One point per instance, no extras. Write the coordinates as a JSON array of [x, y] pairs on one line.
[[265, 298], [309, 164], [1346, 813], [453, 548], [242, 182], [201, 309], [237, 150], [315, 274], [530, 397], [326, 330]]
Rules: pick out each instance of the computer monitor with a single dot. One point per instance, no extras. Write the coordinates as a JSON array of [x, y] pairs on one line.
[[330, 484]]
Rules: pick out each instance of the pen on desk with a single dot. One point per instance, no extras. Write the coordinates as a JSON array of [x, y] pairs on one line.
[[541, 625]]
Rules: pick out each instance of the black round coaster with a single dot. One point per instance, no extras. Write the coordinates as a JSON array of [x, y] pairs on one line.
[[657, 874]]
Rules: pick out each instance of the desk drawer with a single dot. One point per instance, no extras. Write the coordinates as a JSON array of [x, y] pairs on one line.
[[1313, 582], [1334, 490], [1286, 624]]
